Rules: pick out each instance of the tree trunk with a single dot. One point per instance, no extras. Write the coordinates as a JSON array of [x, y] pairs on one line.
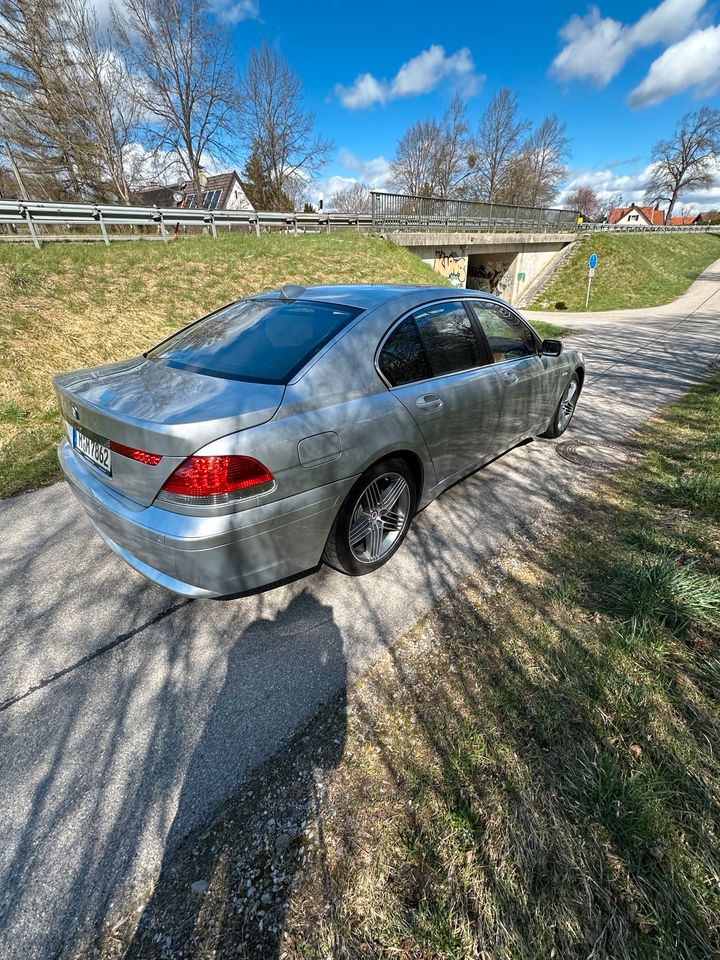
[[671, 207]]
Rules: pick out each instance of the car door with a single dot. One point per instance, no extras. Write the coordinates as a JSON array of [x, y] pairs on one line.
[[434, 363], [516, 359]]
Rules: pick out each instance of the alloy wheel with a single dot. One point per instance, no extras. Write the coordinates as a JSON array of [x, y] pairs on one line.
[[379, 517], [567, 404]]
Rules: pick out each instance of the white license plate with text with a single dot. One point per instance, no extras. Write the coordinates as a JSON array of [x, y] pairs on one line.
[[94, 450]]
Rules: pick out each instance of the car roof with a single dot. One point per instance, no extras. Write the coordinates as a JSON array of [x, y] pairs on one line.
[[369, 295]]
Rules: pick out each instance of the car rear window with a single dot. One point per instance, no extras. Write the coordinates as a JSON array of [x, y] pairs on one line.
[[261, 340]]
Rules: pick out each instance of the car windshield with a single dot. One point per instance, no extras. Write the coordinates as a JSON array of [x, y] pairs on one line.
[[263, 340]]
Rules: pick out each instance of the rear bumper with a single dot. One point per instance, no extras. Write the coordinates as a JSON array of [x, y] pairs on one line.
[[210, 556]]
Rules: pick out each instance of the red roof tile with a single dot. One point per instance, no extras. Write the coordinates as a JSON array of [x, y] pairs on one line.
[[653, 214], [684, 221]]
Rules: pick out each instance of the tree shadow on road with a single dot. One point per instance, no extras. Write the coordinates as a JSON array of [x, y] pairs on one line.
[[204, 900]]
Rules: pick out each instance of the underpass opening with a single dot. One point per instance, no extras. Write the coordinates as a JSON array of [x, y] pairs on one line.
[[491, 272]]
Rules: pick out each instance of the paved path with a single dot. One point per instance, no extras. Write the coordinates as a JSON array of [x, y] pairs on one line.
[[127, 714]]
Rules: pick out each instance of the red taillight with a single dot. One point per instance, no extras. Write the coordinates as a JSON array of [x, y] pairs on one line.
[[151, 459], [215, 476]]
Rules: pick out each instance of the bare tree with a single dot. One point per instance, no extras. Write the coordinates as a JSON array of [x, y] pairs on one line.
[[608, 204], [454, 159], [413, 170], [687, 159], [298, 188], [186, 81], [547, 150], [499, 140], [276, 126], [353, 199], [40, 110], [106, 95], [432, 158], [586, 201]]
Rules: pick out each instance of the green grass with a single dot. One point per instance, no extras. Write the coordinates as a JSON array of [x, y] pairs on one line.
[[533, 773], [552, 330], [70, 306], [643, 270]]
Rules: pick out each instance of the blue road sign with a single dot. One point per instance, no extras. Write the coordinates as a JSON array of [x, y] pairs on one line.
[[592, 261]]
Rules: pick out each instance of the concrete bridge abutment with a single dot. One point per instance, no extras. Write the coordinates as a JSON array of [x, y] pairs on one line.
[[501, 263]]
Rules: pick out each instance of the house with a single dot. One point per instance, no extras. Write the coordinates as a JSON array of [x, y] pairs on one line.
[[685, 221], [637, 216], [224, 191]]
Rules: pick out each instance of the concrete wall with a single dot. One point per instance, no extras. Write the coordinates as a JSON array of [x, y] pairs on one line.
[[505, 264]]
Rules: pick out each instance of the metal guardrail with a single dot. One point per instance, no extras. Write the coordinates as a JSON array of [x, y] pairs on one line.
[[392, 213], [29, 215], [646, 228]]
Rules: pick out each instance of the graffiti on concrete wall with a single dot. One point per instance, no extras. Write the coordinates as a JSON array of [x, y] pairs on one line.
[[452, 265], [490, 276]]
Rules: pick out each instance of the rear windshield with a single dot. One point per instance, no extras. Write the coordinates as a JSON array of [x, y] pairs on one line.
[[266, 341]]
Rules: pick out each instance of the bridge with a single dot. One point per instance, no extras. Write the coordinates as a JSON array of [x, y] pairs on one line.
[[489, 246]]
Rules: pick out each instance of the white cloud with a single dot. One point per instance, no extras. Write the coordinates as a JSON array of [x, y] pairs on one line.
[[425, 71], [364, 92], [373, 172], [632, 187], [235, 11], [230, 11], [596, 47], [607, 182], [693, 62], [421, 74]]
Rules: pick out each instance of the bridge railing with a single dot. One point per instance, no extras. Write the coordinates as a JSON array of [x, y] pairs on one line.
[[404, 212]]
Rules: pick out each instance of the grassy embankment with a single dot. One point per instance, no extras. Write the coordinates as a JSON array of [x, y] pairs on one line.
[[66, 307], [642, 270], [535, 772]]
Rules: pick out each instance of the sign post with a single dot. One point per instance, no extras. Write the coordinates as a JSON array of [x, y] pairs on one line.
[[592, 263]]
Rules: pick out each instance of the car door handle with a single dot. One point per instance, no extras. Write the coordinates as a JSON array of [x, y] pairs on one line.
[[429, 401], [509, 377]]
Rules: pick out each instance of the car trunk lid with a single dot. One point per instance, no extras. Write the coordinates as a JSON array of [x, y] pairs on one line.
[[148, 406]]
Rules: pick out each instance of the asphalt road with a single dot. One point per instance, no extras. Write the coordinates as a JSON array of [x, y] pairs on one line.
[[127, 715]]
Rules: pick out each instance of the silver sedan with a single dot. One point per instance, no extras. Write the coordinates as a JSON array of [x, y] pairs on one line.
[[303, 425]]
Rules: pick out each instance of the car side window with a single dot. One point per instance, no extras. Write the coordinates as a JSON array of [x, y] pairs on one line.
[[449, 338], [403, 358], [507, 336], [431, 342]]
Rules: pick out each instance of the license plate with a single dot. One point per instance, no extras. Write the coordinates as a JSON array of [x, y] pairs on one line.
[[95, 451]]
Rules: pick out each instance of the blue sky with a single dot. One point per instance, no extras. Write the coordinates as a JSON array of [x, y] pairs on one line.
[[619, 74]]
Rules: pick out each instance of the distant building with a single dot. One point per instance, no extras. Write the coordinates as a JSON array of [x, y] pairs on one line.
[[224, 191], [684, 221], [638, 216]]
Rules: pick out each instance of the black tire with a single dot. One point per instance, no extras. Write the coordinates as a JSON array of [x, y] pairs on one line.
[[339, 553], [565, 410]]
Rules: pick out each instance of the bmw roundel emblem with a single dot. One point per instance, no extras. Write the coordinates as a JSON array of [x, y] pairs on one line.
[[75, 412]]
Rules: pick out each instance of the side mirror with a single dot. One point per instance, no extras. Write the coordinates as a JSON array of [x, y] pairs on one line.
[[551, 348]]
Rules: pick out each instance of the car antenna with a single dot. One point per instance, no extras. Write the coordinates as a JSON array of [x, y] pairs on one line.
[[291, 291]]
